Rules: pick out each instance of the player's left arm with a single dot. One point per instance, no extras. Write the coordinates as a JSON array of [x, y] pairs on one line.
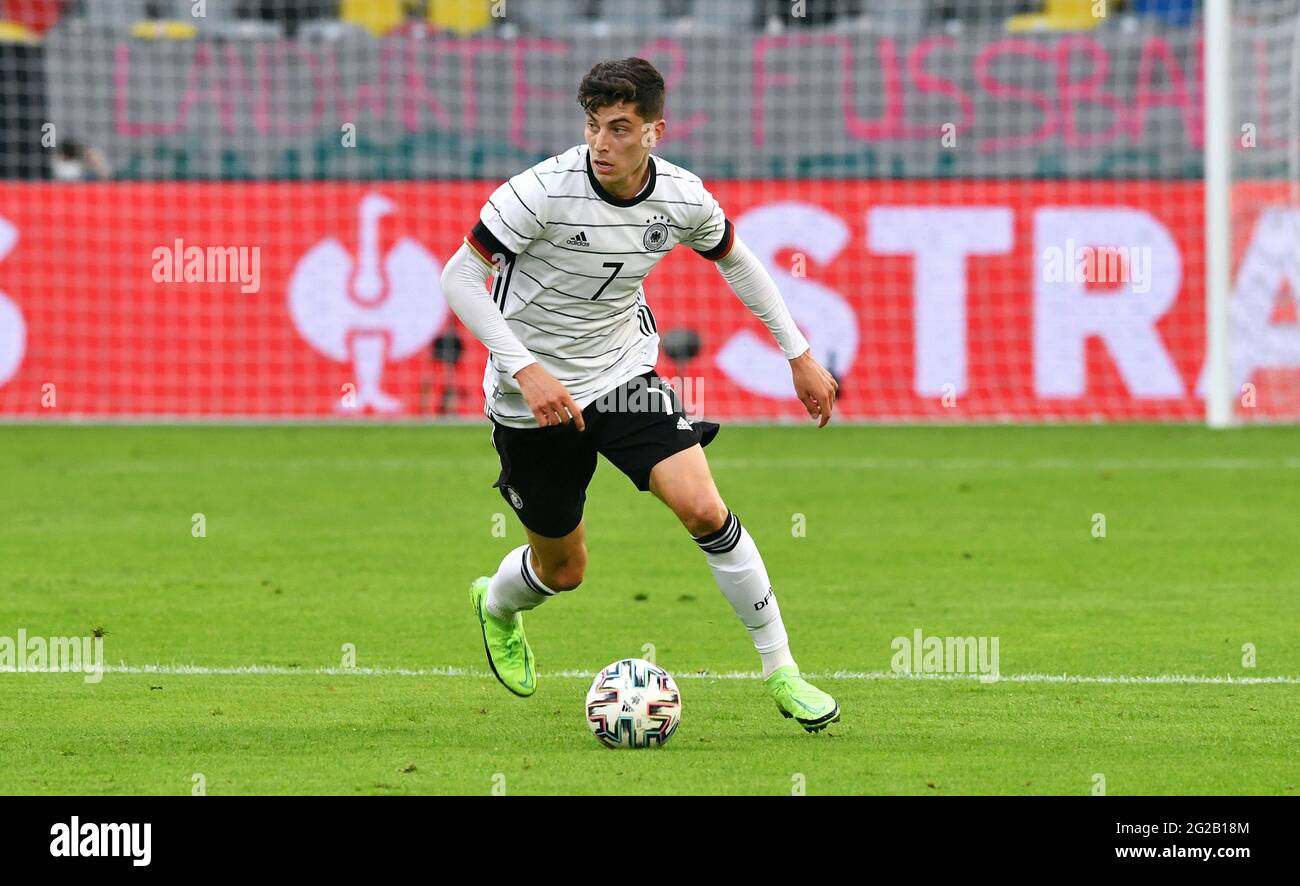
[[753, 285]]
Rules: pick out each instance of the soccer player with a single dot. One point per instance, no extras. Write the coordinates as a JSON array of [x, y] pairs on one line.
[[572, 347]]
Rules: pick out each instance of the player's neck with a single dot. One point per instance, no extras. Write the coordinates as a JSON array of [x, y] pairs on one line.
[[627, 191]]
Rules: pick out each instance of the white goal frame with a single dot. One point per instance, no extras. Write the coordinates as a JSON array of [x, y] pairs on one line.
[[1220, 398]]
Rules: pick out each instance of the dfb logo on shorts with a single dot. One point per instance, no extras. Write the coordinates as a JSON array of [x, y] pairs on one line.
[[515, 500]]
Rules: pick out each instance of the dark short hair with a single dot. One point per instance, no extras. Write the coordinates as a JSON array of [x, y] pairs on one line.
[[633, 80]]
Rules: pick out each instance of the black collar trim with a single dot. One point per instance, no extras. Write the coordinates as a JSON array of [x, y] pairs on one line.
[[619, 201]]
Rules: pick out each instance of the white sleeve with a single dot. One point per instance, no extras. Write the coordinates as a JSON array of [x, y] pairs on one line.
[[713, 228], [755, 287], [516, 212], [463, 286]]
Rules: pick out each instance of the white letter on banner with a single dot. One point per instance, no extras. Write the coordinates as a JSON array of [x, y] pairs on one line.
[[1066, 315], [940, 238]]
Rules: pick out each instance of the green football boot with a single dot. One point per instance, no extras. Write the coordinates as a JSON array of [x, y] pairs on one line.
[[507, 649], [813, 709]]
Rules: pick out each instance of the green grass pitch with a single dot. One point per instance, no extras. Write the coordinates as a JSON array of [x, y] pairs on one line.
[[318, 537]]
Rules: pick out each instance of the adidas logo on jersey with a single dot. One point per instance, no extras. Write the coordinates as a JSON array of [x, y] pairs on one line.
[[579, 239], [683, 424]]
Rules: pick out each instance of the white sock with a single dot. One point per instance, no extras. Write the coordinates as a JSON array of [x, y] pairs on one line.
[[516, 586], [741, 576]]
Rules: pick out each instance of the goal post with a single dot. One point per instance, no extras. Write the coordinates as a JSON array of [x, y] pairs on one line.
[[1219, 137]]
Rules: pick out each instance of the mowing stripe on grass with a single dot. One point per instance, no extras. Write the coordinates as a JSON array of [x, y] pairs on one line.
[[281, 671]]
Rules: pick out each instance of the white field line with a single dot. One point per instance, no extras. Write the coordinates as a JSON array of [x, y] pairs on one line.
[[280, 671]]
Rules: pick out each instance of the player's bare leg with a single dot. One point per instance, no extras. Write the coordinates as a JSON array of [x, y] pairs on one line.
[[560, 563], [527, 576], [684, 483]]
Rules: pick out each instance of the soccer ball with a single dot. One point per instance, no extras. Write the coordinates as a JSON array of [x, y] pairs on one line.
[[633, 704]]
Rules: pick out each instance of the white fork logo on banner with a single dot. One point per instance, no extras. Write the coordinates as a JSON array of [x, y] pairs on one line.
[[13, 331], [368, 311]]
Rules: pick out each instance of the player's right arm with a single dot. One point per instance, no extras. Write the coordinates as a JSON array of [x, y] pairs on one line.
[[512, 218]]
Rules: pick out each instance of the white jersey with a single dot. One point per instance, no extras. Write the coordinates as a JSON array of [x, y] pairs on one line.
[[571, 259]]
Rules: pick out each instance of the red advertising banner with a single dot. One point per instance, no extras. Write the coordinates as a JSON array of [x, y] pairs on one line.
[[943, 300]]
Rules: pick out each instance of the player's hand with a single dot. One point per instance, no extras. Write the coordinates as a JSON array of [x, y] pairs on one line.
[[547, 398], [815, 387]]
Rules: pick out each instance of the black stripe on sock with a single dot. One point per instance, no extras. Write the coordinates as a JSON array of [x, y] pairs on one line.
[[721, 535], [727, 544], [528, 579], [724, 539]]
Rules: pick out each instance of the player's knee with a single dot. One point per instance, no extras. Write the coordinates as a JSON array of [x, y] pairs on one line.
[[703, 515], [565, 578], [567, 574]]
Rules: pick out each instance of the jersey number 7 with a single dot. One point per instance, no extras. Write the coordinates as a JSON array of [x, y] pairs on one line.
[[617, 266]]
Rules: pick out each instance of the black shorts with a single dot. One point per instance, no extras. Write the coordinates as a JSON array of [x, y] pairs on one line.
[[545, 471]]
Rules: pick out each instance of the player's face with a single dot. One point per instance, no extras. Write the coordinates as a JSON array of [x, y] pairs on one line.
[[620, 140]]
